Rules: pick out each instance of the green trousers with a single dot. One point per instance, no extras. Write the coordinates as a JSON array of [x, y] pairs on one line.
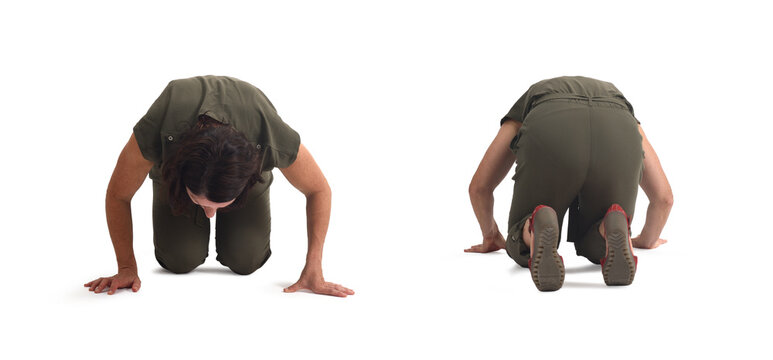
[[242, 235], [579, 154]]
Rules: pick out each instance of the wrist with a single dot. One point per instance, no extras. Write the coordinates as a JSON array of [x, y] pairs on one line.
[[492, 232], [489, 228], [312, 271], [314, 257], [313, 266], [646, 238], [127, 268]]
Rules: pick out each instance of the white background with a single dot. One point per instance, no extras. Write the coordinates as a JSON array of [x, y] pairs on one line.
[[397, 101]]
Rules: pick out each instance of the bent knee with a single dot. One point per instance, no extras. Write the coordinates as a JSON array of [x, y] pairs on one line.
[[244, 265], [243, 269], [180, 263]]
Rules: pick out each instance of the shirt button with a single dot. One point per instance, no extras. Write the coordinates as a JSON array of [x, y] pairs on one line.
[[170, 138]]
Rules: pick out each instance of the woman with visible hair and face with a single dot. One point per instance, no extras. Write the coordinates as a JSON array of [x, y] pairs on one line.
[[209, 144]]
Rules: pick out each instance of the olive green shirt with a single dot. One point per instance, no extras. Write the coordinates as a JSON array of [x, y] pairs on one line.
[[225, 99], [571, 86]]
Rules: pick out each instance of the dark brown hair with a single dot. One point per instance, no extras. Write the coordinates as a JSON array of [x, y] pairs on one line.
[[215, 161]]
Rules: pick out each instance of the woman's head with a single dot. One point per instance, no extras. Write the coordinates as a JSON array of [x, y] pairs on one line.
[[214, 167]]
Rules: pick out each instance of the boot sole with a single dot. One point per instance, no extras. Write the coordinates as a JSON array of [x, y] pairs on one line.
[[547, 268], [619, 267]]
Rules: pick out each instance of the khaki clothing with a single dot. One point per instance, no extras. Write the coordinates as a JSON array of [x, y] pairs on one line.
[[225, 99], [242, 235], [565, 86], [578, 150]]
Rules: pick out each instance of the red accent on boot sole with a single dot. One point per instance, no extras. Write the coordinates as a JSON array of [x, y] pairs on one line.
[[531, 220]]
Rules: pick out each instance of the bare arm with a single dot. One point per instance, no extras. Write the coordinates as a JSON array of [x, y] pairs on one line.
[[306, 176], [493, 168], [658, 191], [128, 176]]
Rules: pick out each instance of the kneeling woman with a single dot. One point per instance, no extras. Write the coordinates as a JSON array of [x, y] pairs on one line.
[[578, 147], [209, 144]]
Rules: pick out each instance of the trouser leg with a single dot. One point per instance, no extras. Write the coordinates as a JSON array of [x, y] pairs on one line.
[[552, 159], [613, 178], [242, 235], [181, 242]]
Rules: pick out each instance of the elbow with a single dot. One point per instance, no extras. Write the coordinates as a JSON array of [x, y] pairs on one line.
[[112, 196], [322, 191], [476, 190], [666, 199], [473, 189]]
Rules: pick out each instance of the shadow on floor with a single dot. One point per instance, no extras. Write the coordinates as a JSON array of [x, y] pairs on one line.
[[583, 269], [573, 270], [578, 285], [205, 270], [283, 284], [517, 269]]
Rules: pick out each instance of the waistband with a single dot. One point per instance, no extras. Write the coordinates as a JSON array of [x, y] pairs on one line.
[[581, 98]]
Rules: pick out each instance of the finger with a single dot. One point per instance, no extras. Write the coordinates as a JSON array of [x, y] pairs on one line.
[[136, 285], [102, 285], [345, 290], [339, 293], [94, 284], [474, 248], [340, 290], [113, 287], [328, 290], [292, 288], [88, 284]]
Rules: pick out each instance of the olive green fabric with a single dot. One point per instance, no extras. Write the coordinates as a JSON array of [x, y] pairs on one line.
[[225, 99], [578, 86], [242, 234], [578, 153]]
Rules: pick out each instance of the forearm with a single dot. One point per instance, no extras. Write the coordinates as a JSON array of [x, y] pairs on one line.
[[657, 215], [658, 190], [483, 205], [317, 221], [492, 170], [119, 224]]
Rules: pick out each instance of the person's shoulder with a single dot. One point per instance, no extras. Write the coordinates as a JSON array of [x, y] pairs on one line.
[[210, 80], [186, 82], [566, 79], [554, 83], [593, 83], [209, 84]]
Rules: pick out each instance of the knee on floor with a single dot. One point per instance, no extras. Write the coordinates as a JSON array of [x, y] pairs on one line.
[[243, 265], [180, 263]]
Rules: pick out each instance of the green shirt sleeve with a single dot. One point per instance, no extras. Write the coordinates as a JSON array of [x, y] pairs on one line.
[[518, 111], [147, 131], [279, 141], [228, 100]]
